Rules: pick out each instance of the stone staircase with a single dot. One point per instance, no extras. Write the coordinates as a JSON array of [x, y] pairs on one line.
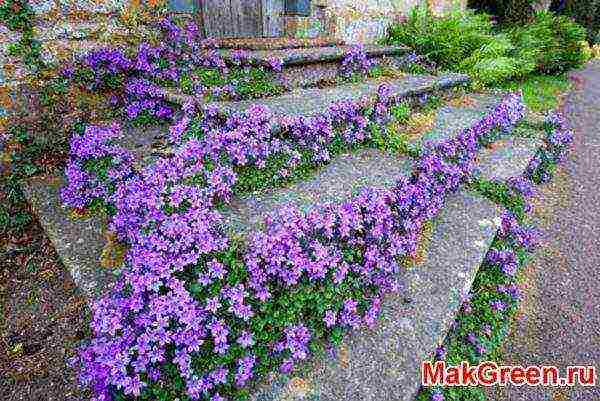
[[382, 364], [306, 62]]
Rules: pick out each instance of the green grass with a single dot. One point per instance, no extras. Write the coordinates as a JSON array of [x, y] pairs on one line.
[[540, 92]]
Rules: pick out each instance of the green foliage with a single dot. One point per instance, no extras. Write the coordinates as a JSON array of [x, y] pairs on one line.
[[554, 42], [500, 193], [247, 82], [18, 16], [445, 41], [401, 112], [540, 92], [467, 43], [253, 82], [507, 11], [493, 63], [584, 12]]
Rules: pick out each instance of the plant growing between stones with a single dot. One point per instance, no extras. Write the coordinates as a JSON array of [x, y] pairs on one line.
[[486, 311], [194, 315]]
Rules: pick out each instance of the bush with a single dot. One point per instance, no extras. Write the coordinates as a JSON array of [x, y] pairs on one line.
[[445, 41], [466, 43], [507, 11], [584, 12], [555, 42], [495, 62]]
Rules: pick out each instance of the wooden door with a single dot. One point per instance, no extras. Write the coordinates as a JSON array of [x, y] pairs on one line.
[[241, 18]]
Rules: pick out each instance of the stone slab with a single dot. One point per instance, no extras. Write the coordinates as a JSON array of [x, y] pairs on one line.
[[315, 54], [451, 119], [507, 158], [79, 241], [384, 363], [275, 43], [81, 258], [345, 176], [309, 102]]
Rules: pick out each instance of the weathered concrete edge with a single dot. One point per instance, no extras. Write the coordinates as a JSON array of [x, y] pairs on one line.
[[310, 58], [384, 364], [437, 84], [79, 242]]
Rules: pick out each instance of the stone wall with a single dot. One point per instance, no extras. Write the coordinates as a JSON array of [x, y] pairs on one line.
[[66, 28], [362, 21]]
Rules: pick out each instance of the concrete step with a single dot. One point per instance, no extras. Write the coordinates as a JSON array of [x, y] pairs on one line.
[[384, 364], [309, 102], [507, 157], [450, 119], [343, 177], [276, 43], [306, 67], [313, 55]]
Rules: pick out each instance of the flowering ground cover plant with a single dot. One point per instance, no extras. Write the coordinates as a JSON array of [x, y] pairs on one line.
[[485, 312], [198, 315], [136, 78]]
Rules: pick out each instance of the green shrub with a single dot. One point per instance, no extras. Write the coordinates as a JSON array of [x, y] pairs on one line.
[[466, 43], [445, 41], [507, 11], [494, 62], [553, 40], [584, 12]]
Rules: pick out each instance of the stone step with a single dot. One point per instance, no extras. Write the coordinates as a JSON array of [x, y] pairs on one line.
[[80, 242], [276, 43], [343, 177], [508, 157], [305, 67], [450, 119], [312, 101], [384, 363], [314, 55]]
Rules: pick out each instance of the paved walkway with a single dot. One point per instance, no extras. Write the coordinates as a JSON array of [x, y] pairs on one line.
[[559, 323]]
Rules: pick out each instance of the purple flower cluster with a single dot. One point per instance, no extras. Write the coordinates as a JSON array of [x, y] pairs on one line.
[[558, 137], [86, 184], [176, 300], [356, 61]]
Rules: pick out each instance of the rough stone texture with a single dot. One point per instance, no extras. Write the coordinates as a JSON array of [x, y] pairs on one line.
[[559, 319], [315, 54], [81, 257], [345, 176], [275, 43], [309, 66], [451, 119], [307, 102], [79, 241], [508, 158], [384, 364]]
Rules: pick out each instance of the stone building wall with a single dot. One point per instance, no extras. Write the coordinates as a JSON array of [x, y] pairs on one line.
[[69, 27]]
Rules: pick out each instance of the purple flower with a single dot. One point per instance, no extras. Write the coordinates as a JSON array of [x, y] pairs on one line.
[[498, 306], [329, 318], [440, 352], [246, 339], [287, 366], [437, 396]]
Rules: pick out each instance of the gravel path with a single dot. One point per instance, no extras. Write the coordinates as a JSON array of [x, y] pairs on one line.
[[559, 322]]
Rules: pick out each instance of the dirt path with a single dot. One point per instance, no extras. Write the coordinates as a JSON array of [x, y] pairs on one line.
[[559, 323]]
